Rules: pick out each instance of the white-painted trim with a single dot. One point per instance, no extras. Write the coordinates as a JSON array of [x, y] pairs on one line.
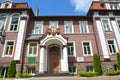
[[3, 4], [3, 55], [116, 31], [114, 44], [91, 50], [50, 22], [11, 21], [20, 40], [28, 47], [102, 39], [6, 18], [39, 22], [74, 53], [56, 37], [68, 22], [108, 24], [86, 26]]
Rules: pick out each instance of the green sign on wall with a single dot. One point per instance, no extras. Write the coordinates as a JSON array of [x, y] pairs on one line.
[[31, 59]]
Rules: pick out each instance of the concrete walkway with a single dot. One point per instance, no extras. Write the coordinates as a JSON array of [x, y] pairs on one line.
[[70, 78]]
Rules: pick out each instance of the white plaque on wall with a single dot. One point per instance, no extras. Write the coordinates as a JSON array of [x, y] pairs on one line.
[[80, 59]]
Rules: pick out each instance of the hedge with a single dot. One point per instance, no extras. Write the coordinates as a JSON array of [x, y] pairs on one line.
[[97, 64], [25, 75], [112, 73], [87, 74], [11, 70]]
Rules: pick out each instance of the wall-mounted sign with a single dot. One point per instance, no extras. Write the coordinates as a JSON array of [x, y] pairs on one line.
[[80, 59]]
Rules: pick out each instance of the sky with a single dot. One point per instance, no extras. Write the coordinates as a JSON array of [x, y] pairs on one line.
[[59, 7]]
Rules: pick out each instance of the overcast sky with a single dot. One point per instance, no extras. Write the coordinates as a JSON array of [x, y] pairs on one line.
[[59, 7]]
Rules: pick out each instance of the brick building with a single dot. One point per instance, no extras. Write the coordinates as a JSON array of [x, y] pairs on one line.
[[59, 44]]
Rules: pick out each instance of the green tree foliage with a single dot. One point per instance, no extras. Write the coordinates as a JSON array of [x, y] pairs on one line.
[[11, 70], [97, 64], [118, 60]]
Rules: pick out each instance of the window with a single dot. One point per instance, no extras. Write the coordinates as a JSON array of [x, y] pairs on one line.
[[9, 45], [53, 24], [6, 5], [111, 46], [106, 26], [38, 27], [114, 6], [32, 49], [14, 23], [31, 70], [2, 22], [89, 68], [72, 69], [115, 67], [83, 26], [68, 27], [118, 21], [70, 49], [87, 48]]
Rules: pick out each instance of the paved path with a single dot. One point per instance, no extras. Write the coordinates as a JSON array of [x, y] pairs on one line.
[[72, 78]]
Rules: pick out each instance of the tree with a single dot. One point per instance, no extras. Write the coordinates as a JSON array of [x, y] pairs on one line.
[[118, 60], [11, 70], [97, 64]]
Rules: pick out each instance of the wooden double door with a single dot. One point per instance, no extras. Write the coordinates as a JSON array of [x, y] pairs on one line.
[[54, 59]]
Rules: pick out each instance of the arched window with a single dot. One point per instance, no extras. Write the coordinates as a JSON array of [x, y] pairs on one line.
[[6, 5], [2, 21], [14, 22]]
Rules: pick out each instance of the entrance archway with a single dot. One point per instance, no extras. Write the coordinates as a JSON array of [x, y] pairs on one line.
[[54, 58]]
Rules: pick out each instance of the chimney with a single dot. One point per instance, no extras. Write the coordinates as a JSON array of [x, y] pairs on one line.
[[37, 11]]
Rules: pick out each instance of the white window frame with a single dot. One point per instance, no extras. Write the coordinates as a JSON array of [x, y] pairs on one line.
[[4, 22], [3, 5], [86, 27], [90, 44], [74, 52], [41, 23], [75, 70], [53, 22], [32, 55], [3, 55], [68, 22], [114, 44], [117, 23], [108, 24], [11, 21]]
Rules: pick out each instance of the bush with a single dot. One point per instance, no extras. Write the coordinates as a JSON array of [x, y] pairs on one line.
[[87, 74], [97, 64], [1, 76], [112, 73], [11, 70], [25, 75], [118, 60]]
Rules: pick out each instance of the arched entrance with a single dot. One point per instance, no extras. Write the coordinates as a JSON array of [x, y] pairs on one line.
[[54, 58]]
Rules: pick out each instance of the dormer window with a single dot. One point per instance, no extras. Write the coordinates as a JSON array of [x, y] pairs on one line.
[[6, 4]]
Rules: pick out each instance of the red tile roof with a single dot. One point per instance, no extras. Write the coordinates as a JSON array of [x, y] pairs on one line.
[[21, 5], [96, 5]]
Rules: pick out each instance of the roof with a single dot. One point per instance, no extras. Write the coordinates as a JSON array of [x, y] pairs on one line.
[[96, 5], [20, 5]]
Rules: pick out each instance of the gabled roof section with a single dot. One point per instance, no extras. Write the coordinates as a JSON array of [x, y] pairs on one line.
[[96, 5]]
